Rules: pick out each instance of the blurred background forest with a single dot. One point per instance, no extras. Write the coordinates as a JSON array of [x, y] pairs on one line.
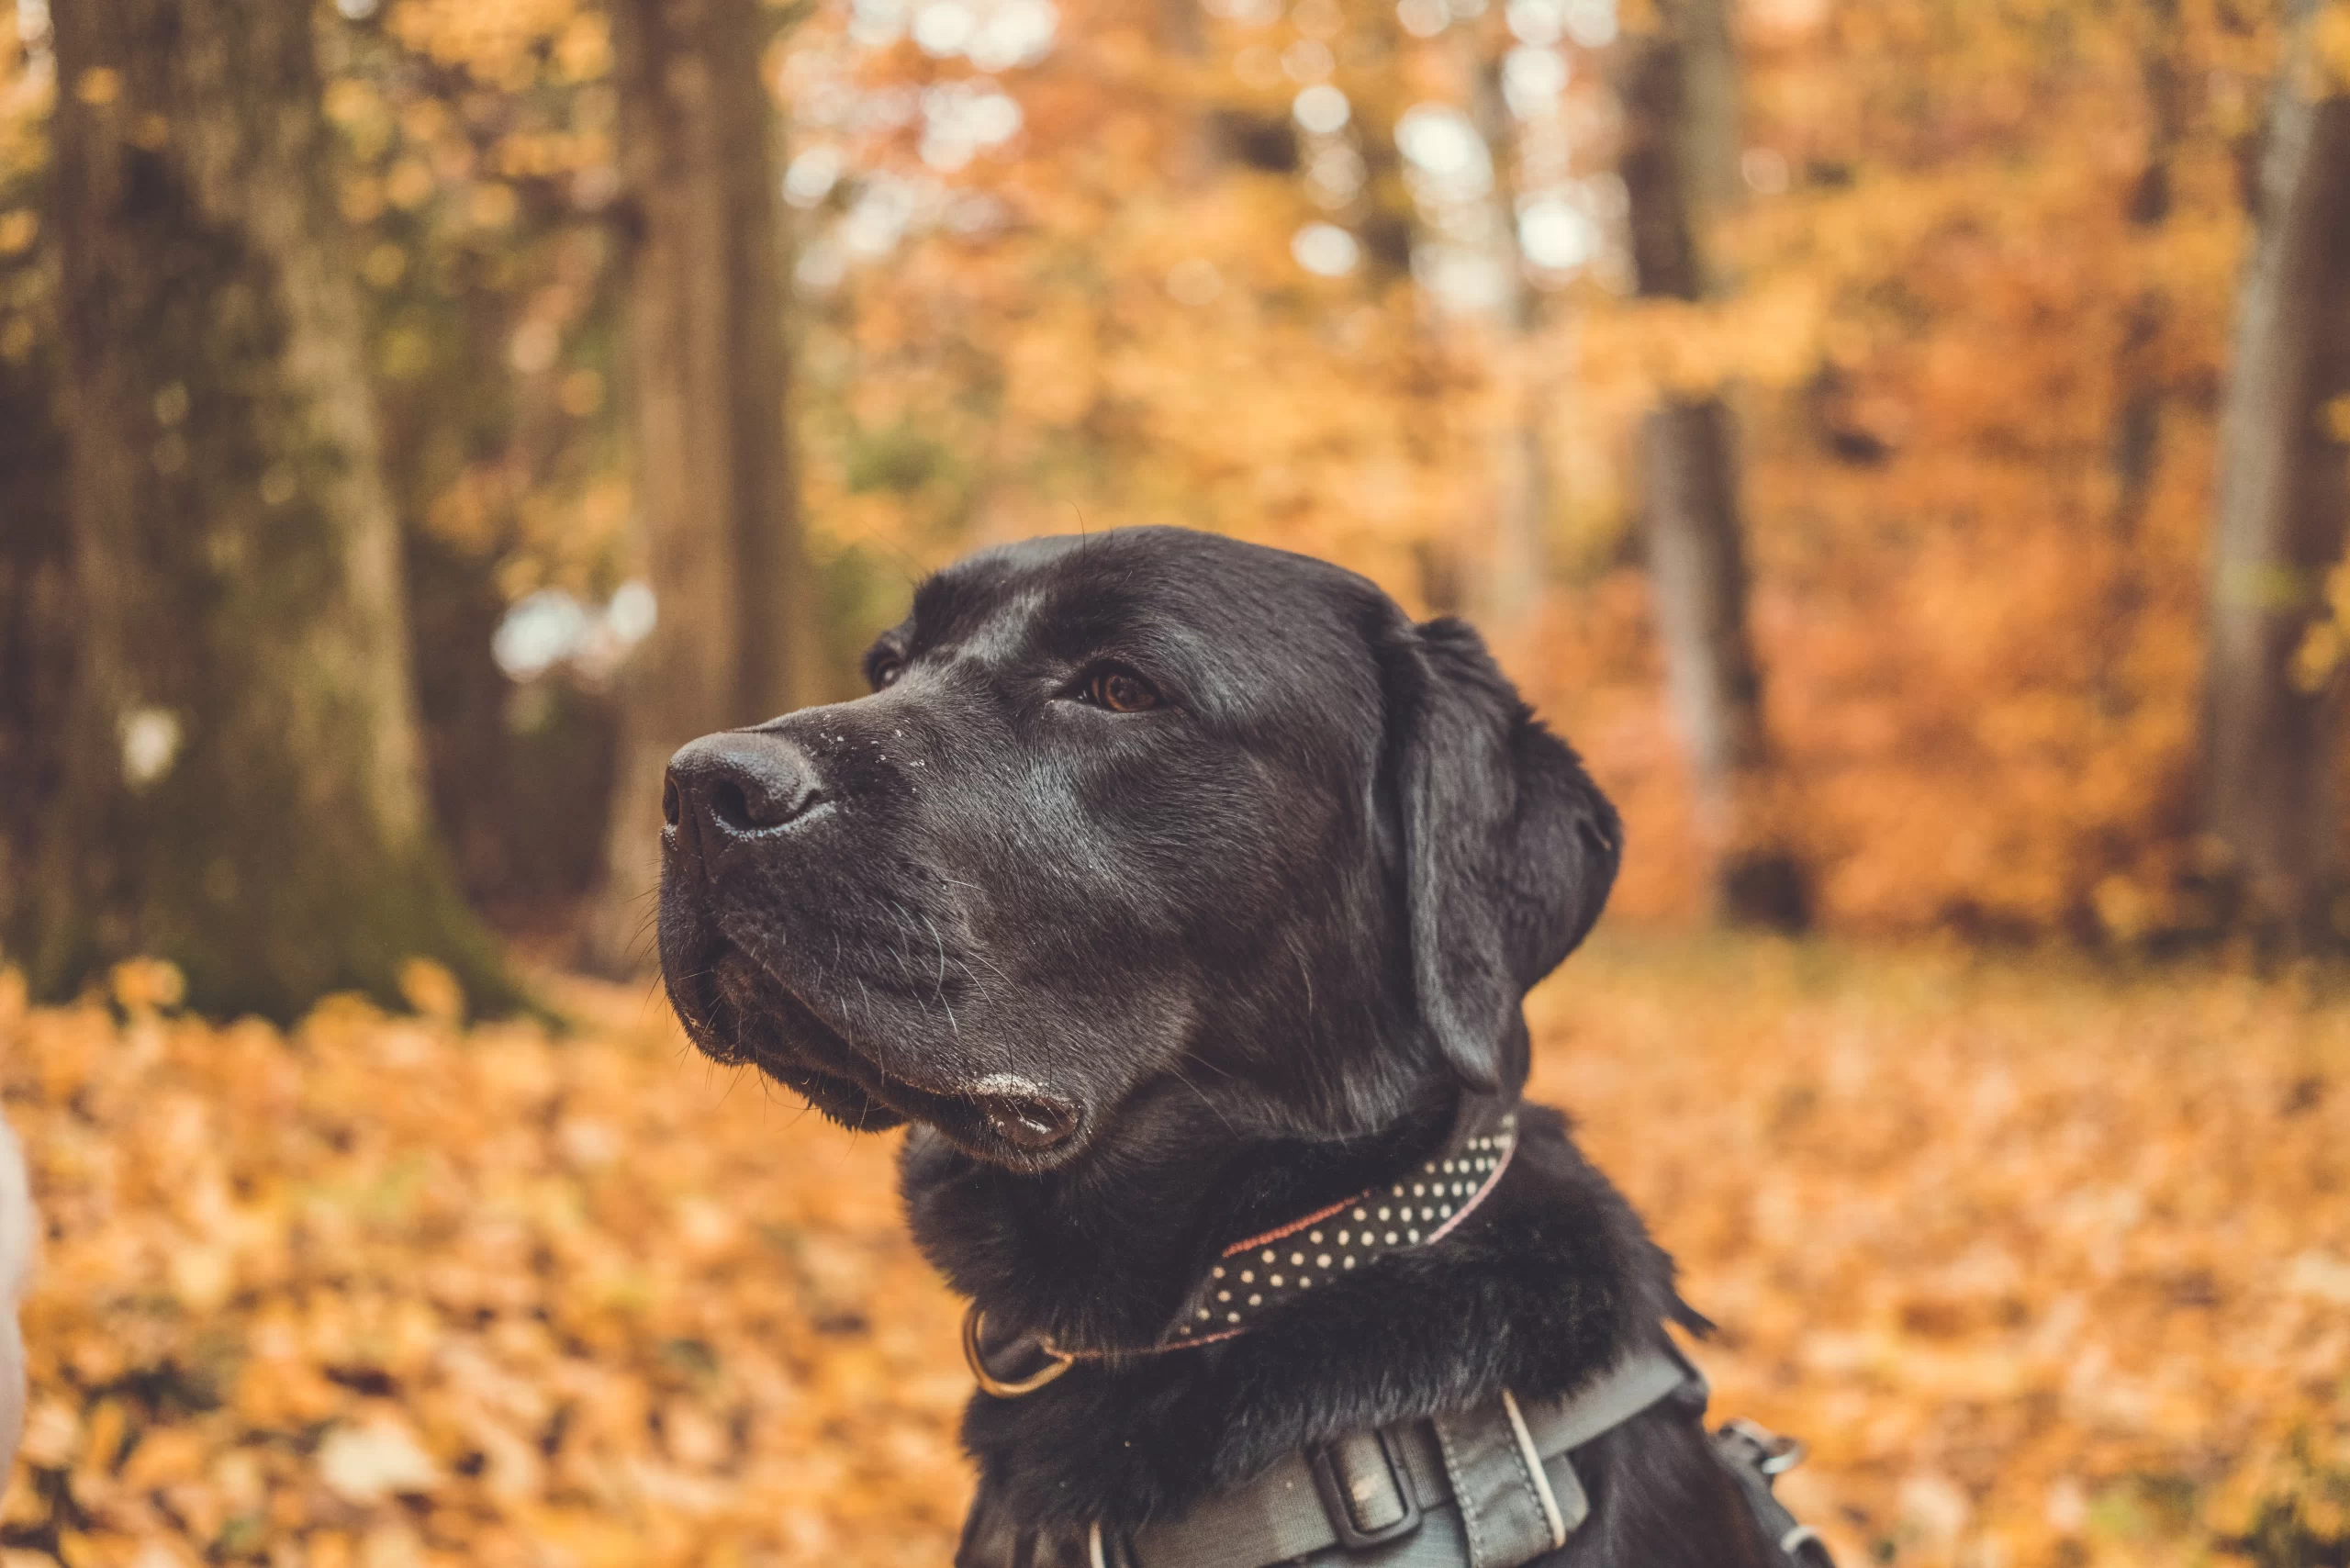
[[1904, 443], [1826, 406]]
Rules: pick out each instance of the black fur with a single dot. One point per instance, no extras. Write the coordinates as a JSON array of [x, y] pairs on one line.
[[1145, 981]]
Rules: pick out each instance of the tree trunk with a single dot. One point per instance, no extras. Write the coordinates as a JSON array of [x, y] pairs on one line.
[[2269, 731], [244, 791], [1689, 471], [1520, 560], [36, 619], [1680, 166], [716, 499], [2139, 390]]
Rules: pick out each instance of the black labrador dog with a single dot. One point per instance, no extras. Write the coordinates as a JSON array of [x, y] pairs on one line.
[[1171, 888]]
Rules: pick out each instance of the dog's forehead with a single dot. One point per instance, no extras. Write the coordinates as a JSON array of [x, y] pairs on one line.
[[1209, 609]]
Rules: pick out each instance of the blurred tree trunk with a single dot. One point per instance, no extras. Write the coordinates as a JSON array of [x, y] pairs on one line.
[[1679, 167], [35, 617], [1193, 153], [242, 792], [2138, 372], [1520, 558], [715, 481], [2270, 710]]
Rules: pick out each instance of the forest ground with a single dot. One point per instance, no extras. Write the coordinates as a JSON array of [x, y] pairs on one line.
[[2047, 1265]]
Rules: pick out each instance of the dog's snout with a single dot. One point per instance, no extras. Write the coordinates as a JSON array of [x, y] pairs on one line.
[[726, 786]]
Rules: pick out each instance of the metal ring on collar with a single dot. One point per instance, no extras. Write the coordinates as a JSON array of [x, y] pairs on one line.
[[1059, 1362]]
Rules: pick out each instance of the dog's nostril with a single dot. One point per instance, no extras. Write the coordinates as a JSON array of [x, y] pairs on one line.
[[731, 806], [730, 785]]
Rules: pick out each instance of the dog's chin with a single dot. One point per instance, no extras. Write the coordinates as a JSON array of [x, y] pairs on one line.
[[738, 1013]]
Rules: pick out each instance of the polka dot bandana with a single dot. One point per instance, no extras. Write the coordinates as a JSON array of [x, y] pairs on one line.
[[1255, 1276]]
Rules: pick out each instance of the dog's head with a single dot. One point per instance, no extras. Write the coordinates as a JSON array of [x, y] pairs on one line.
[[1142, 809]]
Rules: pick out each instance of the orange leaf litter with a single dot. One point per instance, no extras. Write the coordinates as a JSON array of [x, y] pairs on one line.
[[2048, 1269]]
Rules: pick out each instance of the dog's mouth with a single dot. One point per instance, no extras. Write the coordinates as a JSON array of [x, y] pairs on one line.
[[739, 1012]]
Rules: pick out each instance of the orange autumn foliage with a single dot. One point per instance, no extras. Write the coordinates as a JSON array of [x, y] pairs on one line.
[[1976, 242], [2048, 1270], [382, 1291], [1975, 245], [1983, 649]]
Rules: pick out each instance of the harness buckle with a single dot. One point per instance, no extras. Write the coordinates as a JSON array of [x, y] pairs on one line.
[[1366, 1489], [1773, 1452]]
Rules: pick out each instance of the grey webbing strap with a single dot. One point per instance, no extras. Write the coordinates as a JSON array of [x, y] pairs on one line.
[[1507, 1498], [1474, 1460], [1518, 1492], [1638, 1381], [1273, 1518]]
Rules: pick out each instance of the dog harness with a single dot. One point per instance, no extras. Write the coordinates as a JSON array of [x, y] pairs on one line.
[[1493, 1486]]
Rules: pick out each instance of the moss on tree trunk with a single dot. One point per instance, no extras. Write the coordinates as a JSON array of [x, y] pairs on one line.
[[242, 787]]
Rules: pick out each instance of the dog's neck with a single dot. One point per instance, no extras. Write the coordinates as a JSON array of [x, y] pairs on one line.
[[1549, 1280], [1256, 1275], [1102, 1254]]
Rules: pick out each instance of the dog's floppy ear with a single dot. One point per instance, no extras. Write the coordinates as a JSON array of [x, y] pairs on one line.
[[1508, 848]]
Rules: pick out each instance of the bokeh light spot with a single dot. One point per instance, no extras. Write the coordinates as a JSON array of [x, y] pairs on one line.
[[1326, 250]]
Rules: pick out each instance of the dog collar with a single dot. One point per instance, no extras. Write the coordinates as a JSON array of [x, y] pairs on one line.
[[1252, 1277]]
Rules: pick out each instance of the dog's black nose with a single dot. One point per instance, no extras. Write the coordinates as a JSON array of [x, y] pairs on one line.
[[724, 787]]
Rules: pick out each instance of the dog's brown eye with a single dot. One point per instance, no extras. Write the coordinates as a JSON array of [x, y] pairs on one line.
[[1121, 691], [883, 669]]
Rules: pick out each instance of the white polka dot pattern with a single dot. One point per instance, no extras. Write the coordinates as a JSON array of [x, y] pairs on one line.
[[1414, 1211]]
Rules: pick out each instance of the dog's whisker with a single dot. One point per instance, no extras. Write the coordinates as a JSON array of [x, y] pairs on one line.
[[1217, 1111], [979, 956], [940, 942], [903, 952], [1305, 967], [1197, 1061]]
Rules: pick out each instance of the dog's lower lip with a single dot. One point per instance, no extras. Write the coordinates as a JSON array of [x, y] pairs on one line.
[[1021, 1113], [1025, 1117]]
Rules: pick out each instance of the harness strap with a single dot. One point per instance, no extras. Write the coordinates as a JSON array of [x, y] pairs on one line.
[[1755, 1457], [1492, 1487], [1459, 1488]]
